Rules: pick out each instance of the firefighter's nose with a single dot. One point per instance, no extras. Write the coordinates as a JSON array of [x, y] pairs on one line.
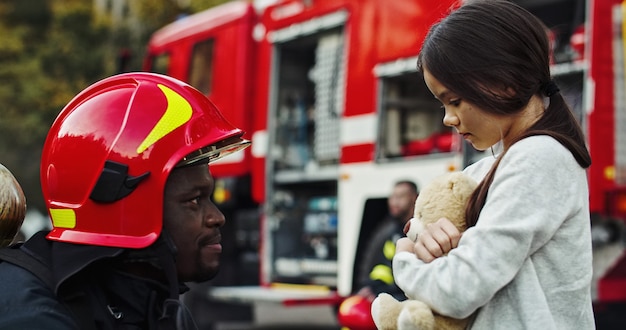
[[214, 218]]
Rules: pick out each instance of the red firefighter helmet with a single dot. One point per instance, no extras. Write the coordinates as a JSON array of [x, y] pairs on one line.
[[355, 314], [108, 154]]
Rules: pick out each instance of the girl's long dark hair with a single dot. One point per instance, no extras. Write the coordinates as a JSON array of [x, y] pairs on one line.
[[487, 46]]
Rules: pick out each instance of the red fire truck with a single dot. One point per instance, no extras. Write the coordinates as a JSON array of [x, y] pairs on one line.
[[329, 95]]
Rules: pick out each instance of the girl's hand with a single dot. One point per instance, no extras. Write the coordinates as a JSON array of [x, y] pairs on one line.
[[436, 240], [404, 245]]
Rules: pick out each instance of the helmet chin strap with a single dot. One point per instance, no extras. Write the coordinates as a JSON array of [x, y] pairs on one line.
[[174, 312], [166, 250]]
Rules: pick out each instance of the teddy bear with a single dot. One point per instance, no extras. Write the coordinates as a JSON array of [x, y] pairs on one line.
[[446, 196]]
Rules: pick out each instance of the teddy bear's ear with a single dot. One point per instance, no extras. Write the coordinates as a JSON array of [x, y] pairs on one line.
[[417, 207], [407, 227], [413, 228], [462, 185]]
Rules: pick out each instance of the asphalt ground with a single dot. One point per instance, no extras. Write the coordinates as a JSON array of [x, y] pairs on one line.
[[276, 317], [268, 316]]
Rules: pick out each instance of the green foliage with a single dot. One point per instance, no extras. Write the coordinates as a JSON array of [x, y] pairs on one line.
[[155, 14], [50, 51], [200, 5]]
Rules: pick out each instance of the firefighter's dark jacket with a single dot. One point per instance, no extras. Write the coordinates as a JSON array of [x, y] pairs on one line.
[[377, 259], [85, 287]]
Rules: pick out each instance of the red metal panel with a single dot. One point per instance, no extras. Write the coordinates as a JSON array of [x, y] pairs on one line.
[[361, 83], [357, 153], [382, 31], [600, 125], [612, 286], [258, 179]]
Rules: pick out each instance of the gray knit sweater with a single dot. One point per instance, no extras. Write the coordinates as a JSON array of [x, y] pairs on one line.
[[527, 262]]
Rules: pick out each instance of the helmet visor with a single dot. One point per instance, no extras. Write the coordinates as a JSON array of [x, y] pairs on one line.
[[214, 152]]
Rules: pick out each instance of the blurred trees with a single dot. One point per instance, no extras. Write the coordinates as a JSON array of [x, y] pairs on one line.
[[50, 51]]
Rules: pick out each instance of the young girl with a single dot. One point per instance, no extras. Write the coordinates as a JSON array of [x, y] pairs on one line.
[[526, 262]]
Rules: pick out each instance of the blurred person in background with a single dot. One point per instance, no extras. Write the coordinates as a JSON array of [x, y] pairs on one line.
[[381, 246]]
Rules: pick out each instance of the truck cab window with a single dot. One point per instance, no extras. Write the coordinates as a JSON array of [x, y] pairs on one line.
[[160, 63], [201, 66]]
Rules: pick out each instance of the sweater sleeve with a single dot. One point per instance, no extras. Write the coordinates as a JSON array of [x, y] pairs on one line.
[[529, 199]]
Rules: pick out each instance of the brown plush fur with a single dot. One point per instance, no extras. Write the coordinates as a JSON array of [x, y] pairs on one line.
[[446, 196]]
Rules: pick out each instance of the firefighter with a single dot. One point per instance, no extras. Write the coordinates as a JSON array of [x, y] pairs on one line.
[[382, 245], [526, 263], [125, 177], [376, 274]]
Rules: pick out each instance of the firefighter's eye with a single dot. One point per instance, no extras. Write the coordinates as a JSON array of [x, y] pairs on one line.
[[196, 200]]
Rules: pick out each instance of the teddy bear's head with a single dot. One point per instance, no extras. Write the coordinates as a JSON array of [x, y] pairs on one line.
[[444, 197]]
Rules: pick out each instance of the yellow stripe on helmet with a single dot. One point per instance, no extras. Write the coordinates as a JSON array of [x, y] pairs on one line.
[[63, 218], [177, 113]]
